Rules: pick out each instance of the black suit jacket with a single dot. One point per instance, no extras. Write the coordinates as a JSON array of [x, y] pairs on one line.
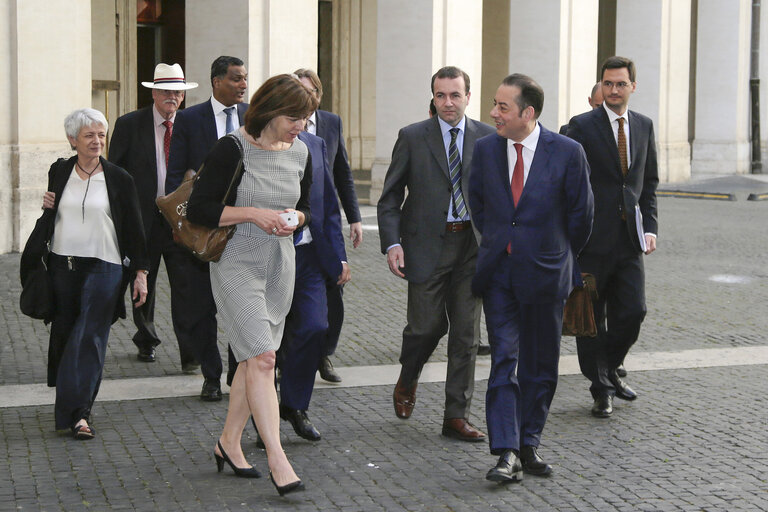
[[329, 129], [132, 147], [616, 195], [194, 134]]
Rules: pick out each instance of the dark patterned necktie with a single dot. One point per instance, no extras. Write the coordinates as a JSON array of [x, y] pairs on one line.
[[167, 140], [454, 168], [622, 142]]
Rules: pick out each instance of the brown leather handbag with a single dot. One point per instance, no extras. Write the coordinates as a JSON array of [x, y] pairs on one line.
[[579, 314], [207, 244]]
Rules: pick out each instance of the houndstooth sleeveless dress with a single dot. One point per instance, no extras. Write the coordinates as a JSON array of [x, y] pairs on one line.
[[253, 281]]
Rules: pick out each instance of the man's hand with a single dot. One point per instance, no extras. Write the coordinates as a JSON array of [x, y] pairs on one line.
[[346, 274], [356, 234], [650, 244], [396, 260]]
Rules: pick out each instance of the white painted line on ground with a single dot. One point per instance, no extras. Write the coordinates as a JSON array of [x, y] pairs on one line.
[[381, 375]]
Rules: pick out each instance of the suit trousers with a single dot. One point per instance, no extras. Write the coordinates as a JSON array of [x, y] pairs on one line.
[[86, 292], [335, 297], [193, 310], [160, 244], [445, 301], [526, 338], [619, 310], [305, 330]]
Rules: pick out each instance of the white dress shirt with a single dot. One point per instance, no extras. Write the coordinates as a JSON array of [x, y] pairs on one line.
[[221, 117], [160, 148], [445, 128], [613, 117], [529, 149]]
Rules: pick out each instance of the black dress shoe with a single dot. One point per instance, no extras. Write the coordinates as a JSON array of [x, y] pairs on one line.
[[532, 463], [603, 406], [300, 423], [483, 350], [327, 371], [508, 469], [146, 354], [621, 371], [211, 391], [623, 390]]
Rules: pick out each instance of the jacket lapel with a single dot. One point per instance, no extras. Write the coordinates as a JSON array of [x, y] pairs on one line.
[[501, 166], [634, 138], [539, 164], [434, 138], [147, 137], [209, 125], [605, 130]]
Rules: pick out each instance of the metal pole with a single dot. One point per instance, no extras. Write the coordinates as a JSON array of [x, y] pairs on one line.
[[754, 89]]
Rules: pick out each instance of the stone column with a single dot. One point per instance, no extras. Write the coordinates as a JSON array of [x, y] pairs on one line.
[[721, 145], [36, 49], [414, 39], [555, 43], [663, 64]]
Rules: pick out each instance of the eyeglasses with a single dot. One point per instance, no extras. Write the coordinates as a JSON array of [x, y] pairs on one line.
[[619, 85], [166, 92]]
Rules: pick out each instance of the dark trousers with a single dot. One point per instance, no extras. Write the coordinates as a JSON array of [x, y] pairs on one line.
[[193, 309], [619, 311], [160, 244], [305, 331], [526, 338], [86, 292], [445, 300], [334, 296]]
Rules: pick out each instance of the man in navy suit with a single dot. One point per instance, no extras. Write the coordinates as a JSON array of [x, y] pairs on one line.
[[621, 150], [327, 126], [140, 144], [320, 257], [531, 201], [195, 132]]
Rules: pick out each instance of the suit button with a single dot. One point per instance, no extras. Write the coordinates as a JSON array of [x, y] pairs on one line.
[[514, 224]]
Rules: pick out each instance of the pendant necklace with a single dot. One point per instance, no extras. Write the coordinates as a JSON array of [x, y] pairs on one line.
[[88, 185]]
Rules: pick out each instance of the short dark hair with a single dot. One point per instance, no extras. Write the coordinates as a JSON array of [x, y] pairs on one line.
[[312, 76], [220, 66], [617, 62], [451, 72], [280, 95], [432, 108], [531, 93]]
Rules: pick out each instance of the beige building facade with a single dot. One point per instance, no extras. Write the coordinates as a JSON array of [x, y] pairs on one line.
[[375, 58]]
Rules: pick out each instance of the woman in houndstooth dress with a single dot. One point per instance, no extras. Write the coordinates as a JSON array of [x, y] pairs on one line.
[[253, 281]]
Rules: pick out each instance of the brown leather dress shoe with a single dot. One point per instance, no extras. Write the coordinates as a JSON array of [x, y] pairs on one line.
[[404, 399], [461, 429]]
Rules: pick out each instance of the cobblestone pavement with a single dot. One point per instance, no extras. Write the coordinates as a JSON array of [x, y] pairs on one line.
[[696, 439]]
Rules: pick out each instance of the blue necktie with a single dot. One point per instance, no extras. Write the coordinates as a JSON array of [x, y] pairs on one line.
[[454, 167], [230, 125]]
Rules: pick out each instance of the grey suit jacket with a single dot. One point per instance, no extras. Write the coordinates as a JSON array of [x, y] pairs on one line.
[[420, 165]]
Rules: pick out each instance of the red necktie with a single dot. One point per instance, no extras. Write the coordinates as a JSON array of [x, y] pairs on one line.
[[167, 140], [518, 175]]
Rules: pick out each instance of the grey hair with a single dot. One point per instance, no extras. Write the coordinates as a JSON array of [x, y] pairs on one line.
[[81, 118]]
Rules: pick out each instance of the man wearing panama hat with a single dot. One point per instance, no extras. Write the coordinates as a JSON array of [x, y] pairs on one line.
[[141, 144]]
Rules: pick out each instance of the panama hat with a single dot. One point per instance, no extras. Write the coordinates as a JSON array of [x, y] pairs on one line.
[[169, 78]]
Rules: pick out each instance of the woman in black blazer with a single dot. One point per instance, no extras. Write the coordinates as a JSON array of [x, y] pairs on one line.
[[97, 245]]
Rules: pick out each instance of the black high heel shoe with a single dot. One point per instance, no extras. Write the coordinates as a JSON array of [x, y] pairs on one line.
[[241, 472], [282, 490]]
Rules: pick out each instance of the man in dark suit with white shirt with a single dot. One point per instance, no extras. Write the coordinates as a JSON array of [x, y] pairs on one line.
[[140, 144], [428, 239], [196, 130], [327, 126], [621, 150]]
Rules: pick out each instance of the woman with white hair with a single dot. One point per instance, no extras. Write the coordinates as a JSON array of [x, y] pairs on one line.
[[97, 245]]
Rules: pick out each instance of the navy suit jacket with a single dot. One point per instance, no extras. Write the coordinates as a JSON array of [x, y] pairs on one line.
[[615, 194], [328, 127], [194, 134], [132, 147], [549, 226], [325, 223]]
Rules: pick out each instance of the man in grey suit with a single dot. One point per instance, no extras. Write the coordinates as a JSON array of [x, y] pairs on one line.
[[429, 240]]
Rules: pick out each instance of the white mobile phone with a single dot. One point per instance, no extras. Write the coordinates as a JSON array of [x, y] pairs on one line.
[[290, 218]]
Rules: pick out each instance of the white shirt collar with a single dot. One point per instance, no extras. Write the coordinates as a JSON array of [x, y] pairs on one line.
[[531, 141], [219, 107], [158, 117], [445, 127], [613, 116]]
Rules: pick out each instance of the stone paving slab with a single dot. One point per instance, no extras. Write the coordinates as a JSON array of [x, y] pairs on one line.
[[690, 442]]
